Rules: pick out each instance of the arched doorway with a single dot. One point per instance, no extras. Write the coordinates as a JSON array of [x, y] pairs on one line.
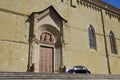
[[46, 60], [45, 41]]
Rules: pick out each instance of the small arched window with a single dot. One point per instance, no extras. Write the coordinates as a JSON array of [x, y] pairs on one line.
[[92, 37], [112, 42]]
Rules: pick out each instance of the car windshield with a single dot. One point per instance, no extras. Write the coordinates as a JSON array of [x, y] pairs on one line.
[[79, 67]]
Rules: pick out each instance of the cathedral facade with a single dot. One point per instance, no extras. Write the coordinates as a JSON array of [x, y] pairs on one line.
[[48, 35]]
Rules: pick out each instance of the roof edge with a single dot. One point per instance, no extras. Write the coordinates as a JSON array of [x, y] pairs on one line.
[[103, 5], [49, 8]]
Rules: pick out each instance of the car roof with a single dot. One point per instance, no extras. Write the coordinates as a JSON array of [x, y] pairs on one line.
[[79, 66]]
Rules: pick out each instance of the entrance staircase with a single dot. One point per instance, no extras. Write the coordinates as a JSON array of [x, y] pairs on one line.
[[54, 76]]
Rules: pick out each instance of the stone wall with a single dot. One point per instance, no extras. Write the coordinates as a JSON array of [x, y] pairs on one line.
[[14, 34]]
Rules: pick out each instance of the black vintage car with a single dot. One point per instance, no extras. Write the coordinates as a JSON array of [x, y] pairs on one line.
[[79, 69]]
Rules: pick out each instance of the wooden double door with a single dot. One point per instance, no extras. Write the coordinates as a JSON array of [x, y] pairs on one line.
[[46, 61]]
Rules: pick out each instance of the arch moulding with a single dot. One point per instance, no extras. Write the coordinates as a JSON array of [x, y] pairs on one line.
[[45, 41]]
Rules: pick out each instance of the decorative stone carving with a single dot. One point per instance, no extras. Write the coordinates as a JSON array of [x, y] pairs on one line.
[[111, 14], [47, 27]]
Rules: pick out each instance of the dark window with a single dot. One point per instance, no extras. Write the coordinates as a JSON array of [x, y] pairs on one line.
[[112, 42], [92, 38]]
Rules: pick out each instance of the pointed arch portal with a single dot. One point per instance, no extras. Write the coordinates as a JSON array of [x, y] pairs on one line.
[[46, 35]]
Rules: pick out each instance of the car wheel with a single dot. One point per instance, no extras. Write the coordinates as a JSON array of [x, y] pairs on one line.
[[73, 72]]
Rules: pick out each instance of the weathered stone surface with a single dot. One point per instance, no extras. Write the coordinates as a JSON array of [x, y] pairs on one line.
[[15, 29]]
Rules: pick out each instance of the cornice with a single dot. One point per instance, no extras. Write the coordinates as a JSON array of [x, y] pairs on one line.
[[101, 5]]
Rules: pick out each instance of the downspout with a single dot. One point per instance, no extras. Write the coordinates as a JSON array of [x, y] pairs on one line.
[[107, 55]]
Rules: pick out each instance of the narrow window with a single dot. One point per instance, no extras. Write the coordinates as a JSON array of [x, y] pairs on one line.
[[112, 42], [92, 38]]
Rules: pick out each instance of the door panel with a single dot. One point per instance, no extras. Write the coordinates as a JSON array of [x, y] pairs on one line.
[[46, 59]]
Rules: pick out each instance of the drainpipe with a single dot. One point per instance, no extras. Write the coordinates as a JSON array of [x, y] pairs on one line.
[[107, 55]]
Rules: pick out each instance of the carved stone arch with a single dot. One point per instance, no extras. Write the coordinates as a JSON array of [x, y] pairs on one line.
[[50, 29], [47, 22]]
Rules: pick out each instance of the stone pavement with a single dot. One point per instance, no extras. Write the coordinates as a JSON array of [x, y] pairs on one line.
[[54, 76]]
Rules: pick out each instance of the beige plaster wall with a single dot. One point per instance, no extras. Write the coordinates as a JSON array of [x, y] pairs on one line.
[[76, 49], [112, 23], [14, 34], [13, 57]]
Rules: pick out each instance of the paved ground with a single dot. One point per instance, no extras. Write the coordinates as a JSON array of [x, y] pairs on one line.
[[54, 76]]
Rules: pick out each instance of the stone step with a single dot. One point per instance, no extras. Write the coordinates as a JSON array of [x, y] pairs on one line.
[[53, 76]]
